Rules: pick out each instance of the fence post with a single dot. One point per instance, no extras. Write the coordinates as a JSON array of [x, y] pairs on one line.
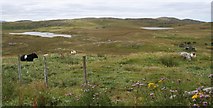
[[19, 69], [45, 71], [84, 68]]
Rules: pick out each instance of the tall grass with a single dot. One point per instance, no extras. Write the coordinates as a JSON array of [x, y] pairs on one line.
[[169, 61]]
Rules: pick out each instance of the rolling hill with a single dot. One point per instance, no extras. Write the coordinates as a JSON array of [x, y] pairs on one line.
[[91, 33]]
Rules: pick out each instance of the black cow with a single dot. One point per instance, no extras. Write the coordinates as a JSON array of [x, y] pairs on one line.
[[28, 57]]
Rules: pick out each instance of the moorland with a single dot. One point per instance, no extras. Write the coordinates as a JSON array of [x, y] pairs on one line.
[[126, 65]]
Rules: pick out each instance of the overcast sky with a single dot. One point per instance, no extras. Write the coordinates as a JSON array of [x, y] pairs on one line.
[[13, 10]]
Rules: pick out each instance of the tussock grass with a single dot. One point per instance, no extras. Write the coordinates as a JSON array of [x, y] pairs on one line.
[[169, 61]]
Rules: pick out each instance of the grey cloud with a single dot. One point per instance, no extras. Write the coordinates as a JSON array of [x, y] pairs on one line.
[[39, 9]]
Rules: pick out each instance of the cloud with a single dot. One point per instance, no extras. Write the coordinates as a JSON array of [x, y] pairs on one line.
[[60, 9]]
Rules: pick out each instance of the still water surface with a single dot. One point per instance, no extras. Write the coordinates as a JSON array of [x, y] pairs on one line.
[[42, 34]]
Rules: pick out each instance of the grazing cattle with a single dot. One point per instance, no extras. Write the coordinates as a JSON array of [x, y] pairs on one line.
[[28, 57], [187, 55]]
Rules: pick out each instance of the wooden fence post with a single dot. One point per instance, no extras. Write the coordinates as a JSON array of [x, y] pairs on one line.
[[19, 69], [45, 72], [85, 69]]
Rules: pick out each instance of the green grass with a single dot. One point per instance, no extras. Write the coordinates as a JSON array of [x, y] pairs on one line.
[[119, 54], [114, 76]]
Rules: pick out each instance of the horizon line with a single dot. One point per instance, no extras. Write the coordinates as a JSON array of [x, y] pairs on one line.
[[103, 17]]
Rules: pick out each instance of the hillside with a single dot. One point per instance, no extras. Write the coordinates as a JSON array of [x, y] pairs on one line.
[[102, 35], [162, 21]]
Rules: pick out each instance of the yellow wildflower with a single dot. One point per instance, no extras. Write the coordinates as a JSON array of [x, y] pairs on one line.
[[195, 96], [160, 81], [200, 93], [152, 85]]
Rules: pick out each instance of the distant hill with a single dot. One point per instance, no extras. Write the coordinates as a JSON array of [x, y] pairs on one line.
[[165, 21], [171, 19], [159, 22], [24, 21], [2, 21]]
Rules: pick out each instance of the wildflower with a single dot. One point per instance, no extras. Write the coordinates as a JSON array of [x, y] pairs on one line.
[[188, 93], [172, 96], [173, 91], [141, 84], [163, 88], [160, 81], [199, 94], [196, 105], [95, 94], [207, 96], [195, 96], [195, 92], [202, 96], [68, 94], [163, 79], [93, 86], [86, 90], [133, 85], [205, 103], [210, 92], [199, 89], [138, 84], [152, 95], [152, 85]]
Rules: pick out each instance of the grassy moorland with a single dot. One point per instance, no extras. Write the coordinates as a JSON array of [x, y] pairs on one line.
[[127, 65]]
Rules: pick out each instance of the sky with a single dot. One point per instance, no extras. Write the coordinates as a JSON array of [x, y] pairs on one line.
[[13, 10]]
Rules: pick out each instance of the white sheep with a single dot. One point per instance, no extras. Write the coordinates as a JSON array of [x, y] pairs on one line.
[[45, 55], [187, 55], [73, 52]]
